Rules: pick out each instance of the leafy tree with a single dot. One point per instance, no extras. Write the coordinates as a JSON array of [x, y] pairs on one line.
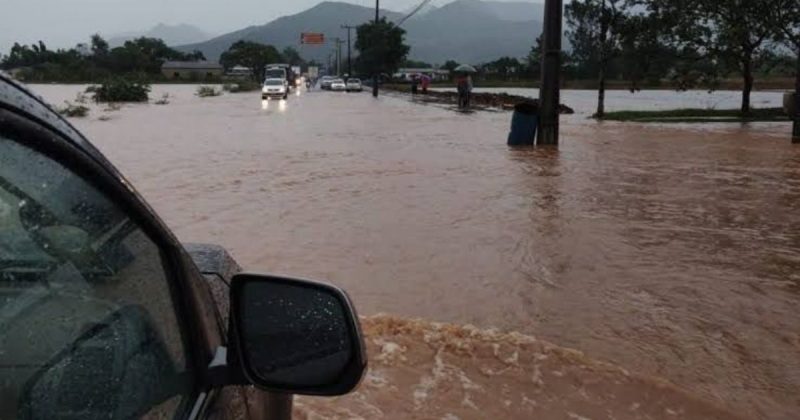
[[292, 57], [643, 55], [597, 28], [99, 45], [195, 55], [785, 18], [504, 66], [534, 59], [414, 64], [450, 65], [731, 33], [381, 47], [252, 55], [142, 55]]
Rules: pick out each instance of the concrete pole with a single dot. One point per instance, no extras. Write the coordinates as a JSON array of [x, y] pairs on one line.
[[349, 60], [339, 43], [549, 95], [796, 124], [375, 75]]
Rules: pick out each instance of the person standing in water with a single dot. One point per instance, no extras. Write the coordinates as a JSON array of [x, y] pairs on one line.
[[464, 86]]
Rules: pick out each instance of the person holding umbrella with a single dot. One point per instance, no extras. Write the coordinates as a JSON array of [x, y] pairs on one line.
[[464, 84], [425, 81]]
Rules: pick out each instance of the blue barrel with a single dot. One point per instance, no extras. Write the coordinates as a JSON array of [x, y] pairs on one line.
[[524, 122]]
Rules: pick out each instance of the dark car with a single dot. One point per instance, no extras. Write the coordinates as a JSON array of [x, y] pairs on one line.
[[105, 315]]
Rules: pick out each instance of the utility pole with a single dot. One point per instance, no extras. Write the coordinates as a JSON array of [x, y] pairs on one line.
[[796, 118], [549, 95], [349, 61], [375, 75], [339, 43]]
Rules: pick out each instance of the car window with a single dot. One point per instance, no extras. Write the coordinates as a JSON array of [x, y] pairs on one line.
[[87, 325]]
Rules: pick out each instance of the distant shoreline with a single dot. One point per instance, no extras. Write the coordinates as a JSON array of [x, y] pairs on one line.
[[773, 84]]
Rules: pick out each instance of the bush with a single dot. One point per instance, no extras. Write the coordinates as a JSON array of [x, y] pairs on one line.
[[241, 86], [120, 90], [164, 99], [206, 91], [73, 110]]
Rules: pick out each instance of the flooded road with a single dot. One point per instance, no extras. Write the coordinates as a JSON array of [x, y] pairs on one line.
[[672, 251]]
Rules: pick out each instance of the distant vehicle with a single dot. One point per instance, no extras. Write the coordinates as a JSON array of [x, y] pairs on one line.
[[275, 88], [288, 73], [338, 85], [313, 72], [325, 82], [354, 85]]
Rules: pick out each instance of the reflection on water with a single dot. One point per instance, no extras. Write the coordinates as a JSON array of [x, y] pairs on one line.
[[670, 250], [281, 104]]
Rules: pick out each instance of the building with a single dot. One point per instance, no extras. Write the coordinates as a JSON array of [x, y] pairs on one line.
[[437, 75], [191, 70], [239, 71]]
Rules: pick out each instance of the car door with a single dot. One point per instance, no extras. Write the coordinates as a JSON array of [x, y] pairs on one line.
[[95, 320]]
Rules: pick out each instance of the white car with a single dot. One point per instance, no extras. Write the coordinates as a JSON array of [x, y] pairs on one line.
[[275, 89], [354, 85], [338, 85]]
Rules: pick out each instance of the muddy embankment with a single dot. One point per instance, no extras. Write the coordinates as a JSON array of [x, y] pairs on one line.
[[479, 100]]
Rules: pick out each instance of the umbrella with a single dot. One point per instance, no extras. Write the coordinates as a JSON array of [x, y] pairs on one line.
[[465, 68]]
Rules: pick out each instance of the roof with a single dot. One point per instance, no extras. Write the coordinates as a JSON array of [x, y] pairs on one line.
[[192, 65], [422, 70]]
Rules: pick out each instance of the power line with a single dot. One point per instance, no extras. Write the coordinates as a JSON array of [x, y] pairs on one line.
[[413, 12]]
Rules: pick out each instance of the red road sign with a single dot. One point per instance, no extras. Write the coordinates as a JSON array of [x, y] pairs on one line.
[[312, 38]]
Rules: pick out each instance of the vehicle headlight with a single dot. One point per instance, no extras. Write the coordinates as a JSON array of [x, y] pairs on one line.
[[264, 89]]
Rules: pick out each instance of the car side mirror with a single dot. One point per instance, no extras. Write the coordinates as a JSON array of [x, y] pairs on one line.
[[295, 336]]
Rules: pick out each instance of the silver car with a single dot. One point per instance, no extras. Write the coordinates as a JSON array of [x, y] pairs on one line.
[[354, 85], [338, 85], [275, 89]]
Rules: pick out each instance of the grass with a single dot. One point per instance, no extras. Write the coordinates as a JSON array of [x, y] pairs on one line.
[[241, 86], [691, 115], [164, 100], [73, 110], [207, 91]]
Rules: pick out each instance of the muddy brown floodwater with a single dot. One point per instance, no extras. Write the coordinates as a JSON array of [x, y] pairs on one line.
[[672, 251]]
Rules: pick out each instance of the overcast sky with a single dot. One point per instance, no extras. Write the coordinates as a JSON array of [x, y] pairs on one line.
[[64, 23]]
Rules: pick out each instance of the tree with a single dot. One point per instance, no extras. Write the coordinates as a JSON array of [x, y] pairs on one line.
[[414, 64], [596, 32], [505, 66], [643, 55], [450, 65], [142, 55], [381, 46], [292, 57], [784, 16], [99, 45], [534, 59], [731, 33], [252, 55]]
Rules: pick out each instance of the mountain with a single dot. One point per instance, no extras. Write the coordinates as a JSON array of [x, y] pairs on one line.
[[469, 31], [517, 11], [326, 17], [171, 34], [425, 10]]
